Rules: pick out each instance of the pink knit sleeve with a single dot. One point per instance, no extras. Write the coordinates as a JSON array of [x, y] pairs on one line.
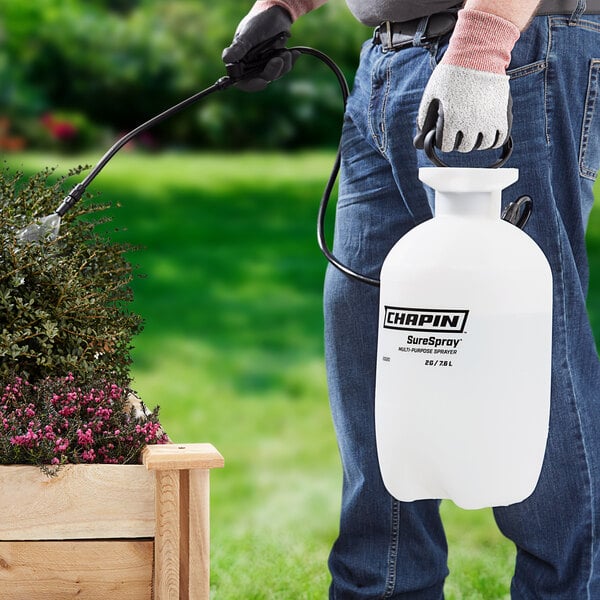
[[481, 41], [296, 8]]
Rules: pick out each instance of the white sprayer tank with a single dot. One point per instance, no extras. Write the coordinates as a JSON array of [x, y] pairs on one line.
[[462, 398]]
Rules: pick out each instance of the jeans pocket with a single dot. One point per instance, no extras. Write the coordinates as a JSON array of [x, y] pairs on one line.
[[589, 149], [525, 70]]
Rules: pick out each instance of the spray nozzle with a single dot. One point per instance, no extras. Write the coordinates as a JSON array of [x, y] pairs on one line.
[[41, 229], [47, 228], [70, 199]]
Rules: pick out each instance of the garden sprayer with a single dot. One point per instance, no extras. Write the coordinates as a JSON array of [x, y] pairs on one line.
[[464, 343]]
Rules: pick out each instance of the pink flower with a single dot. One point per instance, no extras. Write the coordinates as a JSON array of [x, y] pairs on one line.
[[89, 455], [61, 445], [85, 438]]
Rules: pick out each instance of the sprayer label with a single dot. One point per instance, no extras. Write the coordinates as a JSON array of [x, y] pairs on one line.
[[433, 341], [422, 319]]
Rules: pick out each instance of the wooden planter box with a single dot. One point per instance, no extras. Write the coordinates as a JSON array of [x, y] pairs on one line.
[[99, 532]]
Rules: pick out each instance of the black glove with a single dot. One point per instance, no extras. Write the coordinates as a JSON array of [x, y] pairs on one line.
[[257, 37]]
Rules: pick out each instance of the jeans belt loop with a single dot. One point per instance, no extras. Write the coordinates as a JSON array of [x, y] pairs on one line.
[[420, 33], [390, 35], [576, 15]]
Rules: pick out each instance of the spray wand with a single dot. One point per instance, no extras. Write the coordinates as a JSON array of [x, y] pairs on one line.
[[48, 227]]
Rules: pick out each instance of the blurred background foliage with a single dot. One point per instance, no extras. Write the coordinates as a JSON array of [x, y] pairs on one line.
[[77, 72]]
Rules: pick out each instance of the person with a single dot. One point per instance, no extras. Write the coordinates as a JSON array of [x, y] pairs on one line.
[[544, 60]]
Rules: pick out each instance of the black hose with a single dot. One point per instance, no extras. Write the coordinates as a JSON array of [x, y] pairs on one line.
[[322, 213]]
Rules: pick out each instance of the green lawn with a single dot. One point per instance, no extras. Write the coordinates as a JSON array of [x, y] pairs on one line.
[[232, 353]]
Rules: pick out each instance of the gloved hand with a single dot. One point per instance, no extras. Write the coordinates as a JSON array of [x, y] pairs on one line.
[[467, 99], [254, 33]]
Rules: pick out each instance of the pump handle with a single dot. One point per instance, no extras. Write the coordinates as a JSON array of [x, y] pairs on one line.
[[429, 147]]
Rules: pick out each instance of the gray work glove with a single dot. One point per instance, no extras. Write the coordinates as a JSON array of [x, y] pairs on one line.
[[264, 32], [469, 109], [467, 99]]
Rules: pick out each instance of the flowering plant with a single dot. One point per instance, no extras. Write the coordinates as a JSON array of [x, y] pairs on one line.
[[65, 337], [57, 421]]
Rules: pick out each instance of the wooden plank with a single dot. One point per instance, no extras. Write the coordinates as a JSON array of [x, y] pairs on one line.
[[182, 456], [82, 570], [184, 533], [81, 502], [198, 551], [167, 539]]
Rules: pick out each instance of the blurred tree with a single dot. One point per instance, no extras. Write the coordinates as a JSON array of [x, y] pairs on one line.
[[118, 62]]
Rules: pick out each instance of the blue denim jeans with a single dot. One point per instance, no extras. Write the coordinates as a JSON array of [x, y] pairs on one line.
[[391, 549]]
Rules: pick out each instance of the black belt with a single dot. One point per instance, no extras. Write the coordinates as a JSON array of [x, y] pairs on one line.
[[395, 36]]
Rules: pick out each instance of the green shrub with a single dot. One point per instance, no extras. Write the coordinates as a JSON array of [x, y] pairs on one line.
[[63, 303]]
